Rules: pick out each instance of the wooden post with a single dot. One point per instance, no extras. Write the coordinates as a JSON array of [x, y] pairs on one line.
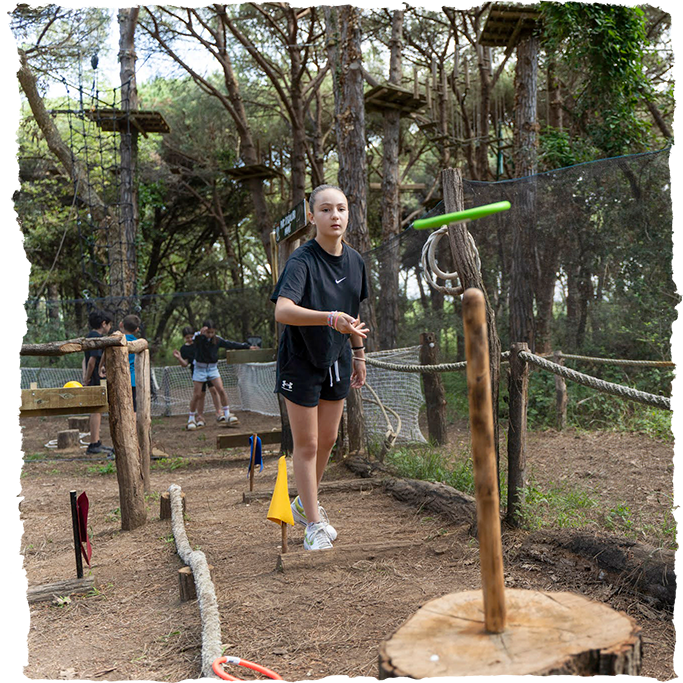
[[560, 395], [283, 526], [188, 590], [518, 397], [143, 415], [484, 458], [77, 535], [470, 276], [165, 504], [79, 422], [435, 396], [356, 422], [124, 437]]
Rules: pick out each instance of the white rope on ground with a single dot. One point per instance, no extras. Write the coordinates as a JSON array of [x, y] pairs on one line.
[[597, 384], [208, 604], [430, 270]]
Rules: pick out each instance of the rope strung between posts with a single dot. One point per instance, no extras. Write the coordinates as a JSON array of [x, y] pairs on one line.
[[430, 270], [208, 604], [614, 361], [426, 369], [597, 384]]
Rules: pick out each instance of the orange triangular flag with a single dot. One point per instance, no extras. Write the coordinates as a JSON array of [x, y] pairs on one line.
[[280, 510]]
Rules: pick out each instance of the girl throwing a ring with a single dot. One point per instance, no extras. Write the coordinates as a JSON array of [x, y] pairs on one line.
[[321, 354]]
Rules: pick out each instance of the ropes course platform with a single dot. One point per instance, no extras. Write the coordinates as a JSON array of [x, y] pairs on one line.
[[388, 96], [55, 401], [119, 120], [242, 173]]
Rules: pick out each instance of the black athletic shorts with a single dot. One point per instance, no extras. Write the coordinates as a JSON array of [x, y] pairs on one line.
[[208, 383], [298, 380]]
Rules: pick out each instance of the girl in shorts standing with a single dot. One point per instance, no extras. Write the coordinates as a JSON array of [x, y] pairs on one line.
[[318, 298]]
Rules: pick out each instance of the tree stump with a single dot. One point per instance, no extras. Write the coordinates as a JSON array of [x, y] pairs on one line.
[[546, 634], [68, 439], [165, 504], [188, 590], [80, 422]]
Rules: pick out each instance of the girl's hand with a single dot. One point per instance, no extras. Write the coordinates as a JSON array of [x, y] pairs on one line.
[[358, 374], [347, 324], [176, 354]]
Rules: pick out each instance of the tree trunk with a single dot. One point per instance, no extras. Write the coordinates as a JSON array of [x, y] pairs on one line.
[[343, 26], [389, 257], [122, 239], [453, 197], [524, 221]]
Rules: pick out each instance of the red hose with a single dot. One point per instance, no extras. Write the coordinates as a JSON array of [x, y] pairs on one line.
[[221, 673]]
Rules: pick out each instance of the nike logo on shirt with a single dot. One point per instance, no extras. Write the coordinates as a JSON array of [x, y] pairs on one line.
[[338, 281]]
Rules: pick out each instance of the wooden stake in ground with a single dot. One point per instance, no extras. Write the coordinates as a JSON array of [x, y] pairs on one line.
[[522, 632], [484, 459]]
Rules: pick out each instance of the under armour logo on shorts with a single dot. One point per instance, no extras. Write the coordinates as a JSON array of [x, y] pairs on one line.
[[287, 386]]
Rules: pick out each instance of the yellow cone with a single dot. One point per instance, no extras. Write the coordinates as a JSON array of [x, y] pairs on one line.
[[279, 510]]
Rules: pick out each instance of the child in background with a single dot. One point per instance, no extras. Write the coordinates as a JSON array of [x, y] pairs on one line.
[[130, 326], [100, 325], [207, 343], [185, 356]]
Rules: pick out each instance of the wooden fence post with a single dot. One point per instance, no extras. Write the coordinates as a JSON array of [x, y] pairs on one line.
[[124, 437], [518, 390], [143, 415], [355, 424], [560, 395], [435, 397]]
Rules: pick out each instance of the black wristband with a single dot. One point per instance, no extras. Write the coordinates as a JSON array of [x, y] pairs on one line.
[[357, 348]]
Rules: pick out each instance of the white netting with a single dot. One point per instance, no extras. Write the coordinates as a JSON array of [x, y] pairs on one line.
[[400, 391], [250, 387]]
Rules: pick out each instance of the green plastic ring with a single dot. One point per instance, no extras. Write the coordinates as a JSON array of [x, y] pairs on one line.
[[460, 216]]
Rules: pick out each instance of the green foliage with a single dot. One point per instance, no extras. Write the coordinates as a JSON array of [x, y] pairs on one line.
[[604, 43]]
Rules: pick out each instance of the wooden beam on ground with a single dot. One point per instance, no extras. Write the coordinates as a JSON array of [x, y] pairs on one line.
[[60, 589], [242, 439], [306, 559], [61, 401], [325, 487]]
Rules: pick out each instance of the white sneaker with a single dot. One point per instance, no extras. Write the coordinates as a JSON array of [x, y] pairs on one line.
[[300, 517], [316, 537], [191, 425], [220, 418], [232, 420], [201, 423]]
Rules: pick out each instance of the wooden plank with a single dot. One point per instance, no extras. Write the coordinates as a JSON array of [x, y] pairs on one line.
[[237, 356], [352, 552], [50, 591], [60, 401], [242, 439], [325, 487]]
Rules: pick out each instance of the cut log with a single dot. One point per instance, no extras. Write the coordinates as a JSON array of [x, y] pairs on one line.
[[445, 500], [51, 591], [546, 634], [306, 559], [80, 422], [325, 487], [68, 439], [639, 566]]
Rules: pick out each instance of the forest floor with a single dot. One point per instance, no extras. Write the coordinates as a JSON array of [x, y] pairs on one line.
[[304, 624]]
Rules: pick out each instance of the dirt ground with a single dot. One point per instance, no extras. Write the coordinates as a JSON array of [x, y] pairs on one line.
[[304, 624]]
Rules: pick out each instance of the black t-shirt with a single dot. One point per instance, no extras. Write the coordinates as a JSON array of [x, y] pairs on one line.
[[314, 279], [187, 353], [206, 350], [97, 355]]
